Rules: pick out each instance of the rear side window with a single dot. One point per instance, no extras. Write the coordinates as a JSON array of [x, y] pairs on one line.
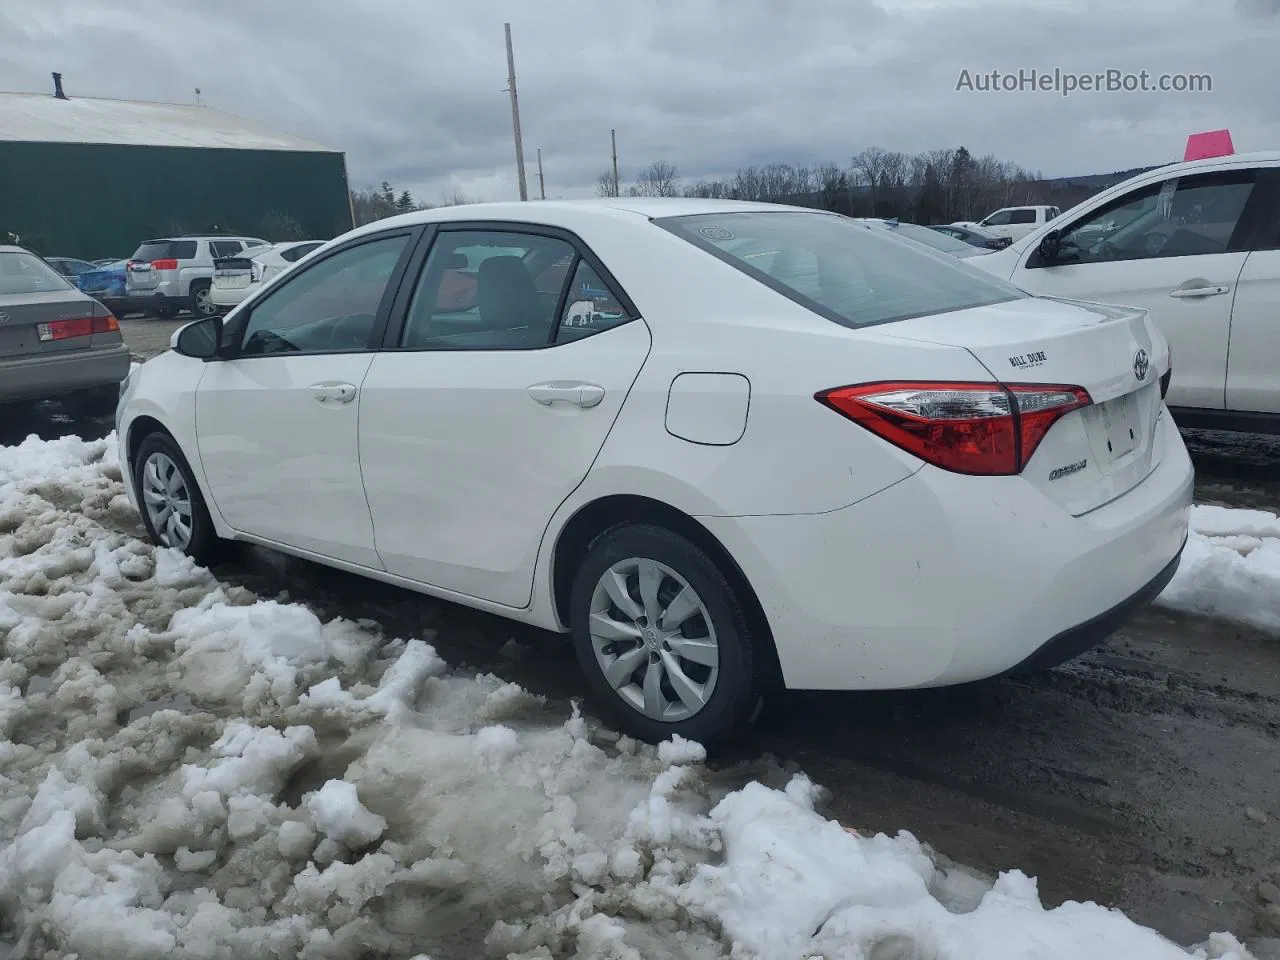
[[166, 250], [294, 254], [839, 269], [1025, 215], [22, 273]]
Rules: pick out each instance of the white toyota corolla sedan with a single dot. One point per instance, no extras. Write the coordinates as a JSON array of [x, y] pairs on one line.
[[721, 444]]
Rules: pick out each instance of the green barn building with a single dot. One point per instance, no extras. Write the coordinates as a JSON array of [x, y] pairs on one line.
[[91, 178]]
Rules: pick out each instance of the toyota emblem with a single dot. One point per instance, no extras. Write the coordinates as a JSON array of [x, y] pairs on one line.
[[1141, 363]]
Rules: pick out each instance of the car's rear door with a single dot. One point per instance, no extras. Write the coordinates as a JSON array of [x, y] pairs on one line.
[[511, 359]]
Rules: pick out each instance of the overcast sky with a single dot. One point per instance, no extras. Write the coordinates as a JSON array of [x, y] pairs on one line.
[[414, 90]]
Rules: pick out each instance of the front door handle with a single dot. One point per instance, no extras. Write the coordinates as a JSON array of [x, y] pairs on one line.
[[1201, 289], [336, 392], [576, 392]]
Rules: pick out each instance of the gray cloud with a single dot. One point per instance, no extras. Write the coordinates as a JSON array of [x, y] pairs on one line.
[[413, 91]]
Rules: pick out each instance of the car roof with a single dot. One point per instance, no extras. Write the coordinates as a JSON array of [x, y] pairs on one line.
[[568, 213]]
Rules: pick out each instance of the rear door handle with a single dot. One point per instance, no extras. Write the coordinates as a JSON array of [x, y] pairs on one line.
[[337, 392], [1204, 290], [576, 392]]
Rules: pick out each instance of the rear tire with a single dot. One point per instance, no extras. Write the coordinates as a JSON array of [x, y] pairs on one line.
[[172, 507], [166, 313], [662, 637], [202, 304]]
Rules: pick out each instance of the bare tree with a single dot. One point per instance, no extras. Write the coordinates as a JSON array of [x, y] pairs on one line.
[[607, 185], [456, 198], [659, 179], [872, 164]]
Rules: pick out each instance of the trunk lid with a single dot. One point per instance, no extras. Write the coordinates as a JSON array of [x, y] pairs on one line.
[[232, 273], [24, 320], [1096, 453]]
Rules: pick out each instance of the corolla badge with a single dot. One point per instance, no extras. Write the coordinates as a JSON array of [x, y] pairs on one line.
[[1141, 364]]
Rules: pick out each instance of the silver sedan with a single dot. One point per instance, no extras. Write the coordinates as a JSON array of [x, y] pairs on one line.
[[55, 342]]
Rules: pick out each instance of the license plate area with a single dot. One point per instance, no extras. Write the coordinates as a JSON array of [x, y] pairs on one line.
[[1120, 421]]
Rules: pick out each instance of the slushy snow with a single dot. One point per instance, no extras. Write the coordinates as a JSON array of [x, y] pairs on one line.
[[1230, 568], [189, 771]]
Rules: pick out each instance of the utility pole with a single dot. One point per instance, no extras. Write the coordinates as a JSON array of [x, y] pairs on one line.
[[542, 183], [617, 184], [515, 113]]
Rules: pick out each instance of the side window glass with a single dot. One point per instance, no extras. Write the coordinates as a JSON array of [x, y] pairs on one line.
[[591, 307], [329, 308], [1176, 218], [487, 290], [999, 219], [224, 248], [1022, 216]]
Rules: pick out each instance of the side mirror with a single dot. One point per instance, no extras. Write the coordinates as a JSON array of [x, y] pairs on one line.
[[199, 340], [1050, 245]]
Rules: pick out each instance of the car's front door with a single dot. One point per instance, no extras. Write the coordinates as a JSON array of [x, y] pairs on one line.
[[1174, 247], [495, 393], [277, 421], [1253, 362]]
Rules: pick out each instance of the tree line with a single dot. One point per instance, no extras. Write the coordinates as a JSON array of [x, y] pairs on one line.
[[936, 186], [376, 203]]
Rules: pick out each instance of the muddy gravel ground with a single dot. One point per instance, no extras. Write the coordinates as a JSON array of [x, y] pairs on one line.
[[1142, 775]]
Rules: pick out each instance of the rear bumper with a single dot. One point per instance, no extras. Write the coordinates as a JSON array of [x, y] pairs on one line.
[[229, 296], [44, 377], [942, 579]]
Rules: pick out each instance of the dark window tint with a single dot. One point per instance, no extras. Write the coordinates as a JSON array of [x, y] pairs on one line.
[[998, 219], [1022, 216], [329, 307], [294, 254], [225, 248], [166, 250], [1175, 218], [22, 273], [487, 290], [590, 307], [840, 269]]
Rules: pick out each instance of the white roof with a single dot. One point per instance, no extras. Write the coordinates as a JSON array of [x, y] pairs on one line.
[[43, 118]]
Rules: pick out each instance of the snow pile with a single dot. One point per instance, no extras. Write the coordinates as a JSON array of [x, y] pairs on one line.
[[1231, 567], [188, 771]]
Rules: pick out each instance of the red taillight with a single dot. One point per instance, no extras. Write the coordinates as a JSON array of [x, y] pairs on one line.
[[77, 327], [164, 264], [982, 429]]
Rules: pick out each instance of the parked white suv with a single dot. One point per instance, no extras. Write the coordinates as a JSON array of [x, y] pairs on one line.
[[167, 275], [1198, 245], [1016, 222]]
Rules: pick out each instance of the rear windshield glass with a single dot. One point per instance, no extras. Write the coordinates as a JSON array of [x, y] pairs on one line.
[[166, 250], [22, 273], [838, 268], [930, 238]]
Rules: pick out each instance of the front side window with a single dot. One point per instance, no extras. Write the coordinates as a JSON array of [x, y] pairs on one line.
[[840, 269], [329, 308], [1181, 217], [22, 273], [488, 290], [998, 219]]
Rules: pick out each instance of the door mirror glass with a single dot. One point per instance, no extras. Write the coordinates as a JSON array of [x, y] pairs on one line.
[[1050, 246], [199, 340]]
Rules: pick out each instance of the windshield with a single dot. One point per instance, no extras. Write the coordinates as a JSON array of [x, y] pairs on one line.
[[22, 273], [841, 270], [930, 238]]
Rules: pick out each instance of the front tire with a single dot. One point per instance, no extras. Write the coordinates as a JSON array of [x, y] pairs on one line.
[[173, 509], [662, 637]]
